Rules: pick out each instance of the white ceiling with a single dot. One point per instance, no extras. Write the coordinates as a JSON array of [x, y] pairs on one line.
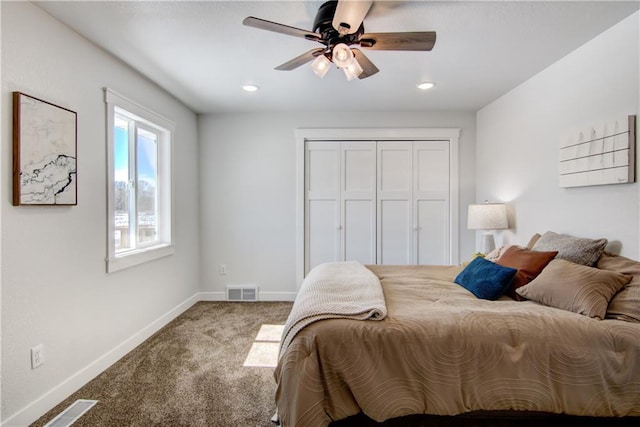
[[202, 54]]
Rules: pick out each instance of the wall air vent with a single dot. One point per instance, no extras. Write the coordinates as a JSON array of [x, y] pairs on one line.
[[242, 292]]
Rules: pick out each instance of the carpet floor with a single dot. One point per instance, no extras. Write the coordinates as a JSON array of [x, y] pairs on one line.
[[190, 373]]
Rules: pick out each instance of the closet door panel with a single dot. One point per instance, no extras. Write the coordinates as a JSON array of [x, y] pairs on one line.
[[359, 168], [432, 167], [394, 167], [323, 238], [358, 198], [322, 203], [395, 192], [431, 202], [432, 233], [394, 241], [322, 169], [359, 231]]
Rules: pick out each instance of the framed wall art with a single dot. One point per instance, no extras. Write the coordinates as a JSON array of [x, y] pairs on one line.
[[600, 154], [44, 153]]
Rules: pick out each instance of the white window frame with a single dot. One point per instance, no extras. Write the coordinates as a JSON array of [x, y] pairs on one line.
[[166, 130]]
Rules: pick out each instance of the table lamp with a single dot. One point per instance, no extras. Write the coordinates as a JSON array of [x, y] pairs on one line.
[[488, 217]]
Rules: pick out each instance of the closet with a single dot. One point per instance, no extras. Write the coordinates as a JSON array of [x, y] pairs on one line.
[[377, 202]]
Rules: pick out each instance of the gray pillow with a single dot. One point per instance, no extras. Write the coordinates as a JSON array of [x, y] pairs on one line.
[[575, 249]]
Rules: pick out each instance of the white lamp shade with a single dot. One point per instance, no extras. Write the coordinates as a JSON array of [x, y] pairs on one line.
[[487, 216]]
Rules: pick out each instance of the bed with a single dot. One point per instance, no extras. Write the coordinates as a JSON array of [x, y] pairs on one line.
[[434, 347]]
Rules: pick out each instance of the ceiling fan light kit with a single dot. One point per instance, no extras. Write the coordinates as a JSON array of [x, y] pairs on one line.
[[342, 55], [353, 70], [338, 25], [321, 66]]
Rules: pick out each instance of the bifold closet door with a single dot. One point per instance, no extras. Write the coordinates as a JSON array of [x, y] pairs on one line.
[[413, 202], [358, 202], [431, 202], [377, 202], [340, 206], [395, 195], [322, 203]]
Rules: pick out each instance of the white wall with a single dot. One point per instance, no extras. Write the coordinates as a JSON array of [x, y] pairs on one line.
[[248, 190], [518, 139], [54, 287]]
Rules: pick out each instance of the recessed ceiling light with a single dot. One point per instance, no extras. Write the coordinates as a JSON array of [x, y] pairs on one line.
[[250, 88], [425, 85]]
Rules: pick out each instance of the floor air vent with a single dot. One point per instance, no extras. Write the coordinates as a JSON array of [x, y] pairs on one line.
[[72, 413], [242, 292]]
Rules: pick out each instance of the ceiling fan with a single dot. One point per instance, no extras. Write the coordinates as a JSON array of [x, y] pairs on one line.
[[338, 26]]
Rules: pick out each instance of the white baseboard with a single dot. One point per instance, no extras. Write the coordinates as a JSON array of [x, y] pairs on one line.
[[50, 399], [277, 296], [212, 296], [262, 296]]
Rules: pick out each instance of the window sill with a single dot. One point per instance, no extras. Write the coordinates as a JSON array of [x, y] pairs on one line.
[[133, 258]]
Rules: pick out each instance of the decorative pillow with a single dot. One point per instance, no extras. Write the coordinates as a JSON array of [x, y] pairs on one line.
[[574, 249], [485, 279], [533, 240], [625, 305], [529, 264], [574, 287], [497, 253]]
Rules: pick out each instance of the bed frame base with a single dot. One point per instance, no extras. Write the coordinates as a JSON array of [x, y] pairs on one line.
[[490, 419]]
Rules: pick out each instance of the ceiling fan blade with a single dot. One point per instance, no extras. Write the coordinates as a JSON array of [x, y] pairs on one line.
[[263, 24], [300, 60], [418, 40], [349, 15], [368, 69]]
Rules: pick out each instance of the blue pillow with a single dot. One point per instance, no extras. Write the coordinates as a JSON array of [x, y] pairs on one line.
[[485, 279]]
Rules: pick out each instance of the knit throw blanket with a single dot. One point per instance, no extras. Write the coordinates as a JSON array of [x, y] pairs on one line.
[[345, 290]]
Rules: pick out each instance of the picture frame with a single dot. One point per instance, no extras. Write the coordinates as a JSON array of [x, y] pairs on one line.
[[44, 152], [600, 154]]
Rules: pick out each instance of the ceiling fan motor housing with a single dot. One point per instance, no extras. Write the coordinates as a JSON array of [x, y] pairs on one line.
[[323, 26]]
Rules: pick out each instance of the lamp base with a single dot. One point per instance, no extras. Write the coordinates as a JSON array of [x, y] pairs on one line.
[[488, 243]]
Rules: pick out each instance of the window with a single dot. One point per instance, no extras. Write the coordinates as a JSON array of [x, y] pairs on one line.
[[139, 198]]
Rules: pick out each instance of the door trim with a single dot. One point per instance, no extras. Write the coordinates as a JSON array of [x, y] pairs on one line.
[[303, 135]]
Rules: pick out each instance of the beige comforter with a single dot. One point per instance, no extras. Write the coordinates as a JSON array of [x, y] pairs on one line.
[[440, 350]]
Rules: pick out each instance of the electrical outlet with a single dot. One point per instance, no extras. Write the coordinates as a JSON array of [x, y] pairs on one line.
[[37, 356], [223, 269]]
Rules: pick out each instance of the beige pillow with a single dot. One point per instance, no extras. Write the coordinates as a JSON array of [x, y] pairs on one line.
[[574, 287], [497, 253], [625, 305], [533, 240]]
